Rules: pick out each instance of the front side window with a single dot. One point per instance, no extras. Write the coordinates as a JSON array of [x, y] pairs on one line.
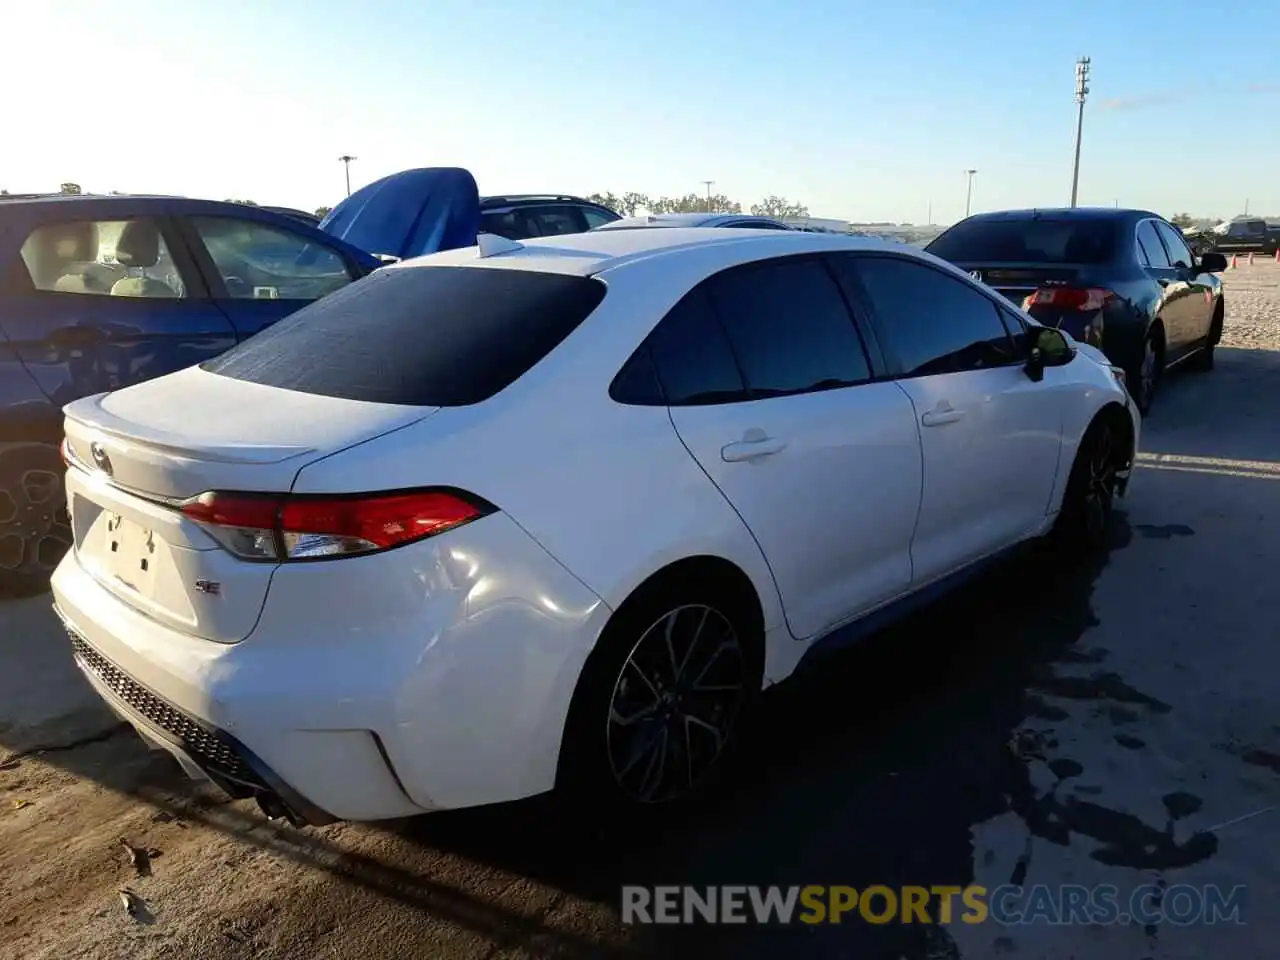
[[261, 262], [1179, 253], [929, 322], [117, 258]]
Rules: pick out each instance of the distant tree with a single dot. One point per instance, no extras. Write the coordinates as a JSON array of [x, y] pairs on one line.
[[323, 212], [1181, 220], [630, 203], [247, 203], [606, 200], [70, 189], [4, 193], [780, 207]]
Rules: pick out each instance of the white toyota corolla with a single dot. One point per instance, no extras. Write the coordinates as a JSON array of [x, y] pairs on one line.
[[516, 517]]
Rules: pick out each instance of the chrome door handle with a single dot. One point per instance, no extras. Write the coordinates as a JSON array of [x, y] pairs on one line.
[[938, 418], [751, 449]]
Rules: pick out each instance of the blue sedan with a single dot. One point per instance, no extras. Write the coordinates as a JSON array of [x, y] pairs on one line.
[[97, 293]]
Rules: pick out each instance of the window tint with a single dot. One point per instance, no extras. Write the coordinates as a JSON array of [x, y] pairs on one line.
[[258, 262], [1013, 323], [512, 224], [790, 328], [1028, 240], [118, 258], [1151, 247], [1174, 244], [930, 322], [557, 220], [596, 218], [637, 381], [423, 336], [694, 361]]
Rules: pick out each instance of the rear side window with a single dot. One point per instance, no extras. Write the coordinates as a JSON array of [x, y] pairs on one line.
[[1150, 246], [692, 356], [790, 328], [420, 336], [1029, 240]]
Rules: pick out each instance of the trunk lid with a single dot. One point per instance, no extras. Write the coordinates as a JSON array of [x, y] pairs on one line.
[[410, 214], [1016, 281], [137, 453]]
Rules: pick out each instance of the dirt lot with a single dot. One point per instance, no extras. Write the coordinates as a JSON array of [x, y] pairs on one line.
[[1146, 686]]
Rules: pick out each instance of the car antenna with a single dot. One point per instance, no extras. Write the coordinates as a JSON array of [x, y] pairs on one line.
[[491, 245]]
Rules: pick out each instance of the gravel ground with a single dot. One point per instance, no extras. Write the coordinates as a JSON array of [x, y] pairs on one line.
[[903, 778]]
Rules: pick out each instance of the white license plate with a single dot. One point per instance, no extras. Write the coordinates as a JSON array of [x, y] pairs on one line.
[[130, 553]]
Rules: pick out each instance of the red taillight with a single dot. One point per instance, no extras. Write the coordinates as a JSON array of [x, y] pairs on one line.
[[269, 527], [1069, 298]]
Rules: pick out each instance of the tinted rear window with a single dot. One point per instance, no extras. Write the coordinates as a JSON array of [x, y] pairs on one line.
[[1033, 240], [421, 336]]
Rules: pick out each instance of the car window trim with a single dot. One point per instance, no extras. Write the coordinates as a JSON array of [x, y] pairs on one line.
[[217, 288], [893, 363], [1163, 245]]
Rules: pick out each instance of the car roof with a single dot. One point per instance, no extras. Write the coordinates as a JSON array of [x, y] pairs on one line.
[[1066, 213], [522, 199], [597, 251]]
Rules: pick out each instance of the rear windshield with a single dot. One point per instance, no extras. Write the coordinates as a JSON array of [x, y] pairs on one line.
[[1031, 240], [421, 336]]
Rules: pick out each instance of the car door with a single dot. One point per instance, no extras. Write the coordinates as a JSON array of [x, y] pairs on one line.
[[1172, 307], [260, 273], [109, 301], [990, 436], [770, 389], [1195, 307]]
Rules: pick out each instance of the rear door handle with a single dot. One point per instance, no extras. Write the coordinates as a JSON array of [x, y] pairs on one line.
[[751, 449], [938, 418]]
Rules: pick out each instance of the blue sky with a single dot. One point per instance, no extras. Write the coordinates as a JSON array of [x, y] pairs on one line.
[[860, 110]]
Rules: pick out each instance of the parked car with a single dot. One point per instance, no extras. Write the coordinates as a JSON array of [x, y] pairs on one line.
[[551, 514], [749, 221], [97, 293], [1237, 236], [1122, 280], [522, 216]]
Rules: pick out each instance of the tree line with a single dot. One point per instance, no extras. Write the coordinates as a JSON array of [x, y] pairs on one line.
[[629, 204]]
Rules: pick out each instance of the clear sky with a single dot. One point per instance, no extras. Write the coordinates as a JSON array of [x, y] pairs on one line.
[[860, 110]]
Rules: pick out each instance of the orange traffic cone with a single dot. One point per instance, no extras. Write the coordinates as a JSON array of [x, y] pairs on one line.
[[1232, 265]]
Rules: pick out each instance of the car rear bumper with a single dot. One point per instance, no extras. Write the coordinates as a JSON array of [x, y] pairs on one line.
[[433, 676]]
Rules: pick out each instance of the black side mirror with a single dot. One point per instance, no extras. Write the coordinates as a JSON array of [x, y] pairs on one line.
[[1046, 347], [1212, 262]]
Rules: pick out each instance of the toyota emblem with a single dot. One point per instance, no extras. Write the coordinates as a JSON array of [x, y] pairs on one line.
[[100, 458], [976, 274]]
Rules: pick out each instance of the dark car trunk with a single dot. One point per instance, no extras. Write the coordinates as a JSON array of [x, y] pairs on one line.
[[1016, 281]]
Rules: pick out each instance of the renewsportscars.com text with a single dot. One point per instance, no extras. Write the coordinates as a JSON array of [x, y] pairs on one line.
[[1106, 904]]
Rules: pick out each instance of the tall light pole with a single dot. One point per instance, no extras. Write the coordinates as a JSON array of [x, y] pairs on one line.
[[346, 160], [708, 183], [1082, 91], [968, 194]]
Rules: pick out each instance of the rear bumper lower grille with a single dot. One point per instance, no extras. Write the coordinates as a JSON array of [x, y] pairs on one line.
[[207, 747], [226, 761]]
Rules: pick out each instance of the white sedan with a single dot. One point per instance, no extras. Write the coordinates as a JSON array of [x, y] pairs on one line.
[[525, 516]]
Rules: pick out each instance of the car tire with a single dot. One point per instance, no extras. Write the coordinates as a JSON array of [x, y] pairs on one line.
[[1084, 521], [659, 708], [1144, 377], [35, 529]]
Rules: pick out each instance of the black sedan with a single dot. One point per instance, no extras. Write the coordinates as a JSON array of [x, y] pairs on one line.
[[1122, 280]]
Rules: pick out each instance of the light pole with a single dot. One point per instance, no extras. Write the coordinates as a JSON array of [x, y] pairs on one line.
[[708, 183], [346, 160], [968, 194], [1082, 91]]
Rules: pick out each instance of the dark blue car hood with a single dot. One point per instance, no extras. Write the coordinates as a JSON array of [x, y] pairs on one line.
[[411, 213]]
